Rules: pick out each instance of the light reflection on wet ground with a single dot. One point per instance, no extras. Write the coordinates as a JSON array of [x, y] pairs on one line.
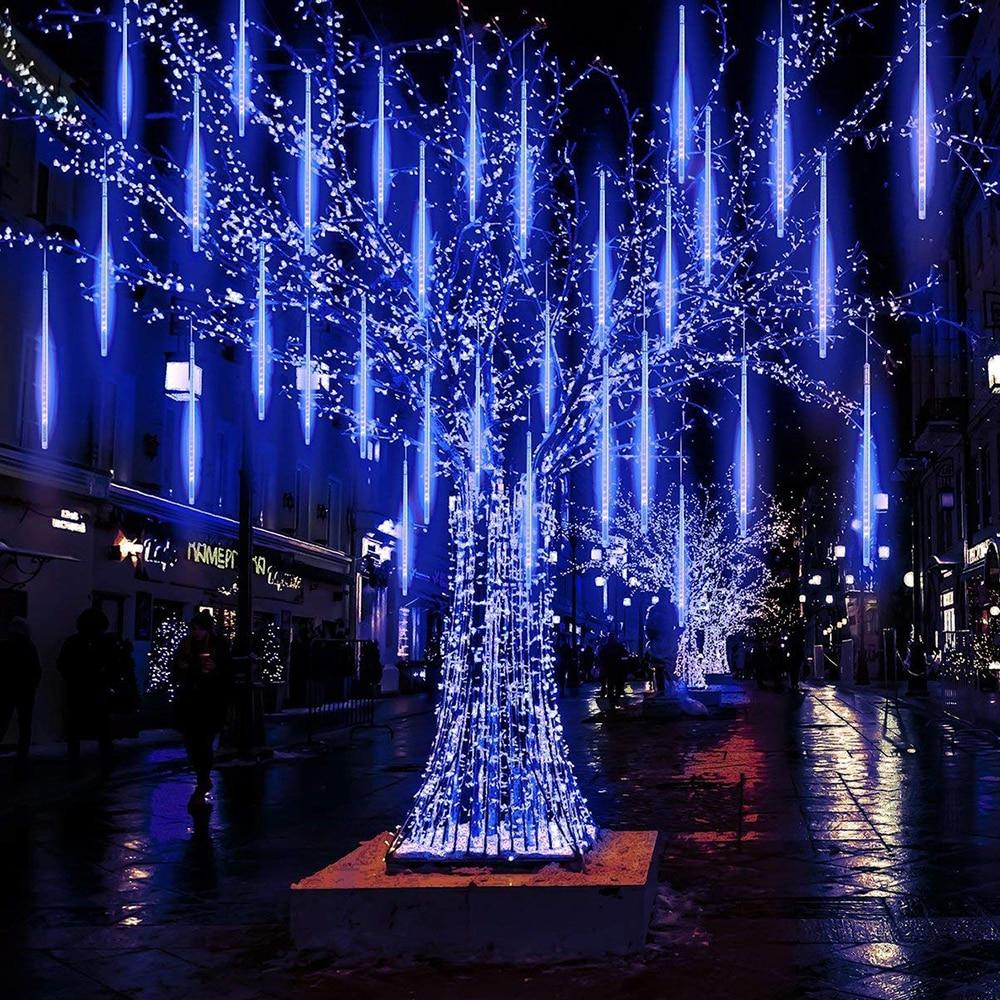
[[861, 860]]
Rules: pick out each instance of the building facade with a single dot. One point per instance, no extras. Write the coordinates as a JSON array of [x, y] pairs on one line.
[[955, 467], [97, 503]]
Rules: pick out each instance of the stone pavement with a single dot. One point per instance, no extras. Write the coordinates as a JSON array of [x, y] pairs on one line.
[[816, 845]]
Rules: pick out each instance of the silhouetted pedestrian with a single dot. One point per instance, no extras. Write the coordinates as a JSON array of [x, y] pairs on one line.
[[86, 661], [20, 673], [587, 662], [564, 662], [201, 671]]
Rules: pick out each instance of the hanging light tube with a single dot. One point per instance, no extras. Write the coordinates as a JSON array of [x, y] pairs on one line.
[[473, 156], [602, 268], [681, 531], [922, 122], [866, 468], [241, 71], [422, 235], [522, 220], [380, 146], [644, 437], [824, 263], [363, 382], [428, 434], [529, 512], [308, 365], [668, 269], [404, 541], [196, 207], [104, 265], [744, 460], [706, 251], [547, 361], [307, 169], [45, 388], [477, 416], [192, 438], [682, 109], [605, 453], [124, 82], [779, 187], [262, 352]]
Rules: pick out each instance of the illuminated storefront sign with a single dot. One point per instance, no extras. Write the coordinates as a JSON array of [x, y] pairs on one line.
[[223, 557], [70, 520], [146, 551], [977, 553]]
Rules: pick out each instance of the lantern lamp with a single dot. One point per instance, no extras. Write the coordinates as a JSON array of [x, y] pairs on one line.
[[993, 373], [176, 384]]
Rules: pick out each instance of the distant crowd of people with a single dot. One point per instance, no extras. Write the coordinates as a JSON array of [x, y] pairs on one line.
[[606, 661]]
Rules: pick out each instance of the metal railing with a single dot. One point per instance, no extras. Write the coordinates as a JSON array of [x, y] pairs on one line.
[[335, 695]]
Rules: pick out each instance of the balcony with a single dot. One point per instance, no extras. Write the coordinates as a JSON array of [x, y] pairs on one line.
[[940, 423]]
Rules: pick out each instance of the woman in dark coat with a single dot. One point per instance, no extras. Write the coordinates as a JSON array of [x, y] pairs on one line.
[[86, 661], [201, 672], [20, 673]]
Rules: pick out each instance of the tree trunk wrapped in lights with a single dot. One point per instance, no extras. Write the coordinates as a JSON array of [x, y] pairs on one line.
[[498, 784]]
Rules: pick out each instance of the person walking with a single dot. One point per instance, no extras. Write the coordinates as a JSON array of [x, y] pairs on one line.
[[20, 672], [85, 662], [564, 661], [202, 672]]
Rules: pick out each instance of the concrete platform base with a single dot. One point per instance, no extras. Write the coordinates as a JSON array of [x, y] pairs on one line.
[[710, 696], [355, 909]]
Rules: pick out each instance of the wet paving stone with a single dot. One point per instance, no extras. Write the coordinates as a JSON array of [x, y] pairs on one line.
[[861, 860]]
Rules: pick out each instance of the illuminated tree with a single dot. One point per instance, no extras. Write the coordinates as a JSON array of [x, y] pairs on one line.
[[728, 586], [517, 315]]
